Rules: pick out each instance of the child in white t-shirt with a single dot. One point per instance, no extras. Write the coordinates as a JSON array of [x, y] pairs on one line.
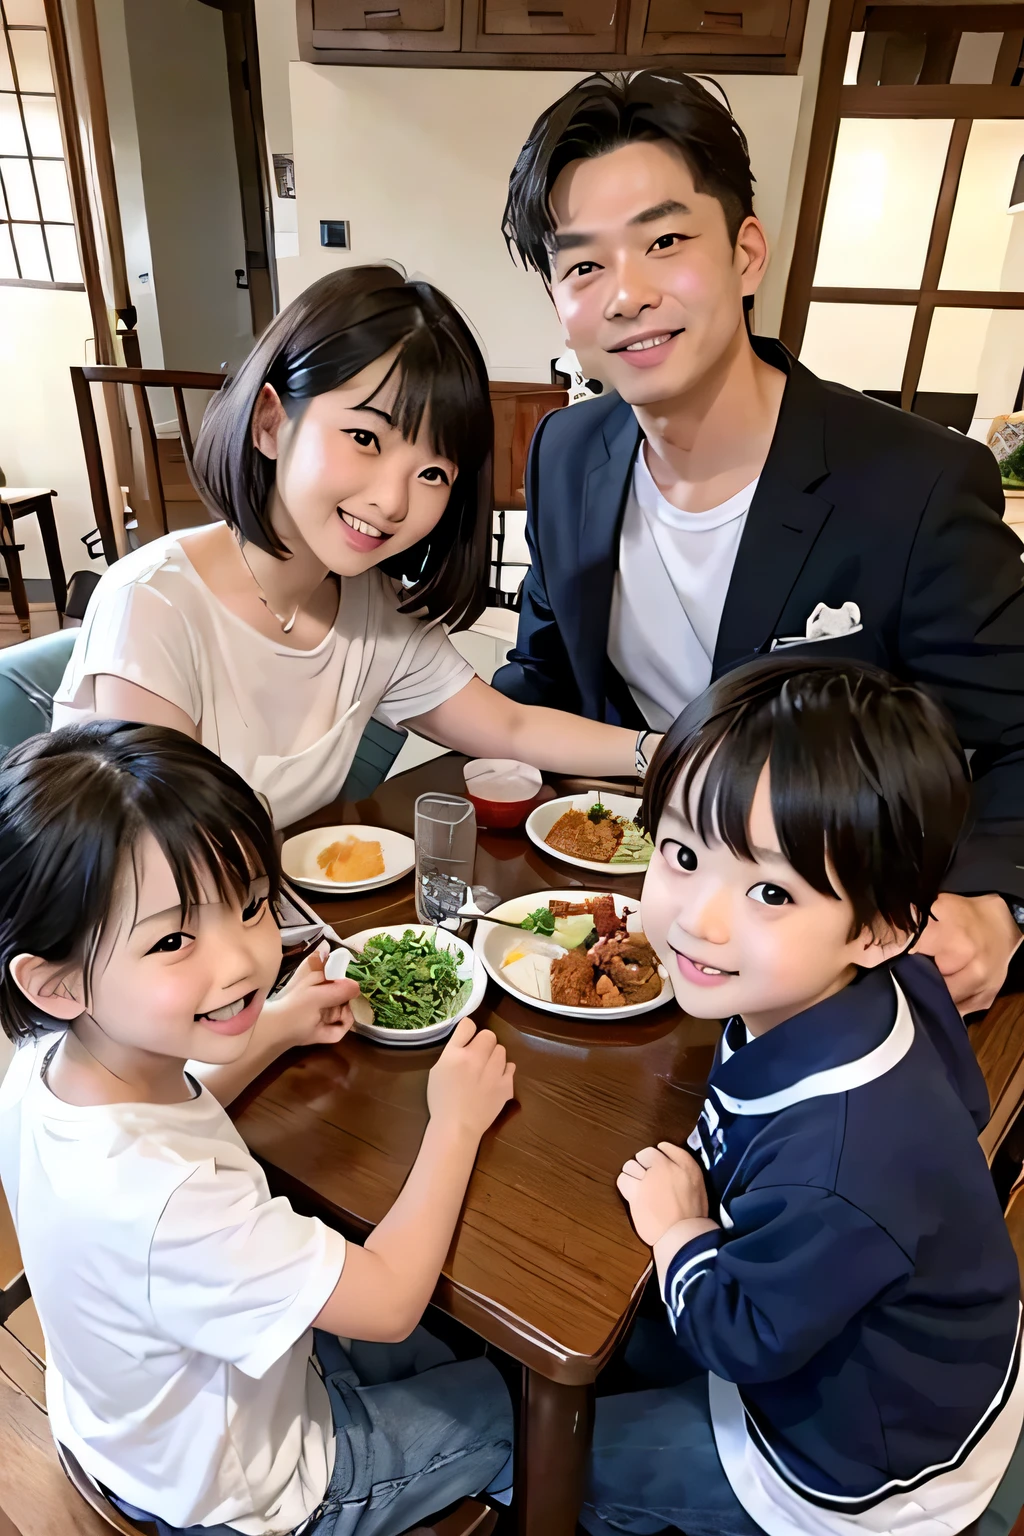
[[137, 875]]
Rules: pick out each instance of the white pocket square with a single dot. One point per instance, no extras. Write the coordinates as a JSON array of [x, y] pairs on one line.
[[825, 624]]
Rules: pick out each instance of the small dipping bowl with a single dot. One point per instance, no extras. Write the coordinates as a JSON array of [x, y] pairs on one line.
[[502, 791]]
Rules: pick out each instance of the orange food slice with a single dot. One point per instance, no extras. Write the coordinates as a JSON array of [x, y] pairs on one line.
[[351, 859]]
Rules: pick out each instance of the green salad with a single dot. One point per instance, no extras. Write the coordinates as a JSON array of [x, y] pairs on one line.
[[409, 982]]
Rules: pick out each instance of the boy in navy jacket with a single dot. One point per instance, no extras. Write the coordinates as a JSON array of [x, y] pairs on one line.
[[832, 1257]]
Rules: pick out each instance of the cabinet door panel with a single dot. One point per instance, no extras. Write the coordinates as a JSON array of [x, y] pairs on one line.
[[415, 24], [682, 26], [547, 26]]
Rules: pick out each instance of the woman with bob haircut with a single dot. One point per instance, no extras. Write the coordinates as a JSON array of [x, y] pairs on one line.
[[349, 461]]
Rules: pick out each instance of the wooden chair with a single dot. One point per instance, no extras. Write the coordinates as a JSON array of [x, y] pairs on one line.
[[164, 485], [518, 410]]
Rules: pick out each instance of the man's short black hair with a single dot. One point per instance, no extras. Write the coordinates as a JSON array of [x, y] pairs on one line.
[[867, 776], [73, 807], [603, 113]]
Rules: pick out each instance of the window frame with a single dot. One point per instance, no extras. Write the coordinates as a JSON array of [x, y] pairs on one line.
[[7, 220], [963, 104]]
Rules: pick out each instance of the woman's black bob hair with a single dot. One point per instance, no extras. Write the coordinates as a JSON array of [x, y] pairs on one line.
[[605, 112], [867, 776], [332, 331], [73, 807]]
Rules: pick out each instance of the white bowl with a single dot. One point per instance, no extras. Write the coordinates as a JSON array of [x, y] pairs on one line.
[[492, 944], [427, 1034], [540, 822], [299, 855]]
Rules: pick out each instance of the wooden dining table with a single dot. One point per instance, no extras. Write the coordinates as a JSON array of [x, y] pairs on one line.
[[544, 1263]]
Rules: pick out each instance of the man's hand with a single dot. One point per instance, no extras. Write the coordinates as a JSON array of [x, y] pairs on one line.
[[662, 1185], [310, 1010], [971, 939]]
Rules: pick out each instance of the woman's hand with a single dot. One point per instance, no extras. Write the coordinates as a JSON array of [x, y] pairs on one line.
[[310, 1010]]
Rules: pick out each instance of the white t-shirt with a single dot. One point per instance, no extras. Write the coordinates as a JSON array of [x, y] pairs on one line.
[[176, 1299], [674, 572], [288, 721]]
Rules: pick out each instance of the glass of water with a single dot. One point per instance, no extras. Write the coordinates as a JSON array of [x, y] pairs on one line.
[[445, 853]]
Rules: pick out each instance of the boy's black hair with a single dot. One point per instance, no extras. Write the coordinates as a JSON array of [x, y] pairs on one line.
[[340, 325], [603, 113], [73, 806], [867, 776]]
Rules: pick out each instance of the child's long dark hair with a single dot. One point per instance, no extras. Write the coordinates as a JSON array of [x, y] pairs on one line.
[[74, 805], [340, 325]]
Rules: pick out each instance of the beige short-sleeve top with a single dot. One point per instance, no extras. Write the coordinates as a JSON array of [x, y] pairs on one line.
[[288, 721]]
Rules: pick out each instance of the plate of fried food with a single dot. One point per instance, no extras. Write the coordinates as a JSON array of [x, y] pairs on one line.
[[592, 831], [340, 861], [580, 954]]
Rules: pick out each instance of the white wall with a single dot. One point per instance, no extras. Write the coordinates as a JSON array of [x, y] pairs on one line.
[[43, 332], [418, 161]]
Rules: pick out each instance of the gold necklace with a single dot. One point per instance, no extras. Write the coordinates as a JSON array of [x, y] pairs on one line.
[[286, 624]]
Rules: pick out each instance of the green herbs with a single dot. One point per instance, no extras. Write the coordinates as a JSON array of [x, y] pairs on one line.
[[540, 921], [409, 982], [598, 812]]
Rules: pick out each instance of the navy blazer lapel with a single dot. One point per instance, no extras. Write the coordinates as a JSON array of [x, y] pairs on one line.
[[785, 517], [604, 501]]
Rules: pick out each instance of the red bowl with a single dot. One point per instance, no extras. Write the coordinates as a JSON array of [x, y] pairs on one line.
[[501, 813]]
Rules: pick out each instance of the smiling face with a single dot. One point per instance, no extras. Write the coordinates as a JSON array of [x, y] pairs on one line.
[[348, 484], [747, 937], [190, 985], [645, 278]]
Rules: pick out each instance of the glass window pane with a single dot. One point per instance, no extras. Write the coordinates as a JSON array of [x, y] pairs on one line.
[[12, 138], [976, 350], [25, 13], [63, 253], [3, 205], [881, 202], [32, 61], [861, 345], [975, 60], [986, 242], [43, 125], [54, 198], [7, 267], [21, 198], [31, 251], [6, 78]]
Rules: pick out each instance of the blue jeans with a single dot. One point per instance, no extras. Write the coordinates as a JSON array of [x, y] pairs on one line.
[[415, 1430], [654, 1463]]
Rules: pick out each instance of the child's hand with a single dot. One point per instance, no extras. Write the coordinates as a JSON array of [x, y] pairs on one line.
[[310, 1010], [471, 1082], [662, 1185]]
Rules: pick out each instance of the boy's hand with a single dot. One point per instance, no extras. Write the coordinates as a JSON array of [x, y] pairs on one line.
[[662, 1185], [471, 1082], [310, 1010]]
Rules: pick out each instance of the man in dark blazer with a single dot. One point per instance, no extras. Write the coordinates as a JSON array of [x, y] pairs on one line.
[[718, 501]]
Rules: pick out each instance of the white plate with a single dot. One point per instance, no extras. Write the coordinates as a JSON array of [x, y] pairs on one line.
[[299, 854], [540, 822], [428, 1034], [492, 944]]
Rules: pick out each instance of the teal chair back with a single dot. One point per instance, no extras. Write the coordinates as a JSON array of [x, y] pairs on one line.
[[30, 674]]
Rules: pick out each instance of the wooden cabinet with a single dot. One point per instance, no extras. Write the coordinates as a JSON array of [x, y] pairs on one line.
[[382, 25], [545, 26], [730, 35], [708, 26]]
